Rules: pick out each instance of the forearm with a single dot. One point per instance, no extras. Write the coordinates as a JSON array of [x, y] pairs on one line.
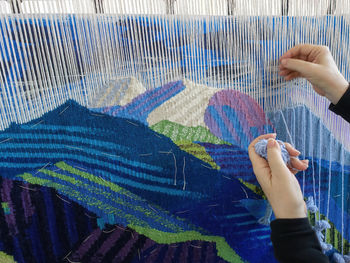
[[294, 240], [342, 108]]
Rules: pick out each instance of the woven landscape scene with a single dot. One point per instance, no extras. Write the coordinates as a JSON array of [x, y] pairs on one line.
[[143, 168]]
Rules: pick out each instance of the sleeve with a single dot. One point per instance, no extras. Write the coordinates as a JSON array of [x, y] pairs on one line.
[[294, 240], [343, 106]]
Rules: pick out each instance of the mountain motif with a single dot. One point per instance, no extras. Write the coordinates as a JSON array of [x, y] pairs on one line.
[[128, 174], [125, 173], [177, 132], [117, 92], [141, 106]]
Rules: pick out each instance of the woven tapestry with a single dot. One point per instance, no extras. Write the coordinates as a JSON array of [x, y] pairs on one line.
[[124, 139]]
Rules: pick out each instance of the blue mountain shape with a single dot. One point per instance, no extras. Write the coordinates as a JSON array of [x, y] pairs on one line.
[[123, 151], [128, 153]]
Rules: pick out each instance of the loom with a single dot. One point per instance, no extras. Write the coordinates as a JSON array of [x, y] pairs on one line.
[[125, 125]]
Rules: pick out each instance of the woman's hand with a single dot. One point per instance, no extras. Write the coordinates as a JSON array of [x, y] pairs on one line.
[[277, 180], [316, 64]]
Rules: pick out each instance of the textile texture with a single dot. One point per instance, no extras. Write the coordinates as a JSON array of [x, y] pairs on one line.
[[158, 174]]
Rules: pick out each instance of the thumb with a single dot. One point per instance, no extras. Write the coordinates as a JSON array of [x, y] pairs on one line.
[[274, 158], [301, 66]]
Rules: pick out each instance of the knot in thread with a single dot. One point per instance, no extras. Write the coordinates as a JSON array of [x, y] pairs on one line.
[[310, 204], [325, 246], [322, 225], [261, 149], [319, 235], [319, 227]]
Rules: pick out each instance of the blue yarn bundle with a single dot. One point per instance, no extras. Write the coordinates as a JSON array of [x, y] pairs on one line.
[[310, 204], [261, 149], [320, 226]]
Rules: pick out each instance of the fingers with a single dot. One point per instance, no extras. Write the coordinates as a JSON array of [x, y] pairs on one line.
[[276, 163], [296, 164], [265, 136], [289, 74], [297, 65], [285, 72], [291, 150], [299, 165], [300, 51], [292, 76], [257, 161]]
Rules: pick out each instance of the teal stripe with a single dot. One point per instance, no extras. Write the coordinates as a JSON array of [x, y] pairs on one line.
[[56, 128], [254, 230], [168, 191], [237, 215], [66, 137], [79, 158], [54, 146], [115, 179], [22, 165], [248, 223], [263, 237], [259, 229]]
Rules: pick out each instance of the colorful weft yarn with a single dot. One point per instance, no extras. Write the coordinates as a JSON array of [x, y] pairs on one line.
[[261, 149], [124, 128]]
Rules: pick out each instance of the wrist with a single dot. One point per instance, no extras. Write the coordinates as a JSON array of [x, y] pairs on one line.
[[290, 215], [338, 91], [294, 211]]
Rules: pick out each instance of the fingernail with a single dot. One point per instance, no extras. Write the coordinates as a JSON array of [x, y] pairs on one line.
[[284, 62], [298, 152], [271, 143]]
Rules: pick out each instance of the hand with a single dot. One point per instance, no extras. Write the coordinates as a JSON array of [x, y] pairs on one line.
[[277, 180], [316, 64]]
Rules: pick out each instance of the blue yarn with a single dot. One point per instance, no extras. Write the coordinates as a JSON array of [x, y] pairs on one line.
[[322, 225], [347, 258], [319, 227], [265, 220], [319, 235], [337, 258], [261, 149], [310, 204], [325, 246], [330, 253]]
